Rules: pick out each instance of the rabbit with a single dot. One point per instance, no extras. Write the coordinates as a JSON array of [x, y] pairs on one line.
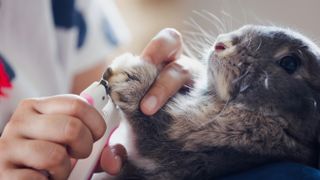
[[256, 103]]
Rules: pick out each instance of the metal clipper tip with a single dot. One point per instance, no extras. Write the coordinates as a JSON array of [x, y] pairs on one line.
[[105, 84]]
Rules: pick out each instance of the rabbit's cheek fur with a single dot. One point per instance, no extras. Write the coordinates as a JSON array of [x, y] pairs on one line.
[[225, 75]]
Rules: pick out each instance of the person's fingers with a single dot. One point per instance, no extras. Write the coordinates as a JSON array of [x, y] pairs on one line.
[[76, 106], [59, 128], [166, 46], [40, 155], [163, 49], [22, 174], [112, 159], [171, 79]]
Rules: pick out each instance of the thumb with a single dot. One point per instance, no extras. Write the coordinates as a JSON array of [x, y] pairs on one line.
[[113, 158], [165, 47]]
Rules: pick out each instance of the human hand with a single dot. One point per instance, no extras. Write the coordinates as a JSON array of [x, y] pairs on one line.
[[165, 50], [44, 134]]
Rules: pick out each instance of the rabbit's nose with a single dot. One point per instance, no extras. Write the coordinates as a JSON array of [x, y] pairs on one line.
[[224, 46], [220, 46]]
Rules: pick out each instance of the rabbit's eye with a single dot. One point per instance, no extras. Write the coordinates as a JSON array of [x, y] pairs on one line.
[[289, 63]]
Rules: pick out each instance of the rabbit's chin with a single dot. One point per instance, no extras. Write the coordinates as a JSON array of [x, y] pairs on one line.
[[124, 135]]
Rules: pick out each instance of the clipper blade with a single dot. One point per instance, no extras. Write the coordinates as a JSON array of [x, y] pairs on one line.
[[105, 84]]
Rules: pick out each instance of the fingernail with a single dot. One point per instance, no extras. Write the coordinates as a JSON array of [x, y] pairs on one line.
[[119, 160], [119, 152], [173, 32], [150, 103], [168, 34], [117, 165]]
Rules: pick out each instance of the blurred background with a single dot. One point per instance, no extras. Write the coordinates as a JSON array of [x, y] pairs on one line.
[[145, 18]]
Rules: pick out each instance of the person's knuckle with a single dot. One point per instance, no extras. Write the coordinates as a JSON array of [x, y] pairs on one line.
[[20, 115], [56, 156], [86, 151], [77, 106], [50, 155], [27, 102], [11, 126], [73, 130], [162, 87], [180, 69], [14, 125]]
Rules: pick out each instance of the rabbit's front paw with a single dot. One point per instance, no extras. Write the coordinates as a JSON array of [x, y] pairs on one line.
[[129, 78]]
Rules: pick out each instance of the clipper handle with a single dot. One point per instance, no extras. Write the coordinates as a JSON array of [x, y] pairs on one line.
[[96, 95]]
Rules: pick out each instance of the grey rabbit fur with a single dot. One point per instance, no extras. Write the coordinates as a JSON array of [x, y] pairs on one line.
[[256, 102]]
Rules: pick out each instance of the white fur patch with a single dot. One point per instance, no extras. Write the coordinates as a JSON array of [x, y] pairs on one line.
[[122, 64], [222, 87], [125, 136]]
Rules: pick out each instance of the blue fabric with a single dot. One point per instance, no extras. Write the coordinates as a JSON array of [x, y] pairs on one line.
[[64, 13], [67, 16], [281, 171]]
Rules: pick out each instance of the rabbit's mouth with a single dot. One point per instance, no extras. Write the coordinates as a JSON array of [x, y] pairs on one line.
[[225, 73]]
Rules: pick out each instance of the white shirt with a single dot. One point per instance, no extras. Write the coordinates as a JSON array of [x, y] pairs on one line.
[[44, 43]]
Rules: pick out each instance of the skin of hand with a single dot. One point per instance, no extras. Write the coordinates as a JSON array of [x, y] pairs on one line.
[[45, 133]]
